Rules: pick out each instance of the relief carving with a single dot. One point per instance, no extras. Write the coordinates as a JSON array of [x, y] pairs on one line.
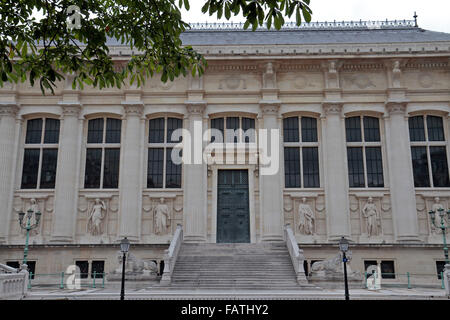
[[306, 218], [360, 81], [372, 216], [233, 82], [162, 218], [96, 217], [436, 207]]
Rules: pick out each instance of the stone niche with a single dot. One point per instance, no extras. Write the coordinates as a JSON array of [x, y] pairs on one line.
[[306, 214], [97, 220], [42, 202], [161, 212], [370, 218]]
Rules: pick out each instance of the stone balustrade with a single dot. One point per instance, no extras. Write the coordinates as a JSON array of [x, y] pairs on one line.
[[13, 283], [296, 254], [171, 255]]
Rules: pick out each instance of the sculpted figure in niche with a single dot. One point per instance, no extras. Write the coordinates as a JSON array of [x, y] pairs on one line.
[[96, 217], [396, 75], [370, 212], [269, 77], [436, 207], [306, 218], [162, 217]]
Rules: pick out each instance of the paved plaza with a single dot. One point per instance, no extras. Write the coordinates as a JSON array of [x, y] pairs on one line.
[[203, 294]]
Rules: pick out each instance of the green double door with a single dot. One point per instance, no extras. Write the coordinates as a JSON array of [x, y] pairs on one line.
[[233, 217]]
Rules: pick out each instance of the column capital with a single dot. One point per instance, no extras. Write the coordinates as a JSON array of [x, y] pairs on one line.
[[195, 107], [133, 108], [270, 107], [9, 109], [396, 107], [332, 107], [70, 109]]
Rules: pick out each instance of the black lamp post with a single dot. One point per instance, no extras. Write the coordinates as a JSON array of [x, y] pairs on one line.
[[343, 246], [124, 247]]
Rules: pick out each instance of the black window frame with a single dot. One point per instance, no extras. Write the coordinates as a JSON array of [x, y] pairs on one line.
[[107, 150], [160, 169], [302, 167], [41, 138], [365, 156], [428, 134]]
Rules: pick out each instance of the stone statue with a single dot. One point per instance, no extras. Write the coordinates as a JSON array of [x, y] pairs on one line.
[[436, 206], [333, 269], [269, 77], [135, 266], [396, 75], [96, 217], [162, 217], [370, 212], [306, 218]]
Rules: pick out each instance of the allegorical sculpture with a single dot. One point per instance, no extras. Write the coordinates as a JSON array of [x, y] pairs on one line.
[[372, 215], [269, 77], [436, 207], [306, 218], [162, 217], [96, 216], [333, 269], [135, 269]]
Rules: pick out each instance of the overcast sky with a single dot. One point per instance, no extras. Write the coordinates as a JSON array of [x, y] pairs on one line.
[[433, 14]]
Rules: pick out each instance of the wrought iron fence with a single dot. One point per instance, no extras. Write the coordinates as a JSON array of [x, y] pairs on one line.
[[408, 280]]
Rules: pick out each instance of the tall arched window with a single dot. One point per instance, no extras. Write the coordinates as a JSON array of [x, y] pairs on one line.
[[234, 129], [162, 172], [364, 156], [428, 151], [301, 152], [40, 154], [103, 154]]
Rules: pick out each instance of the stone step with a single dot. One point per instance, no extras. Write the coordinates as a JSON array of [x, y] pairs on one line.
[[242, 266]]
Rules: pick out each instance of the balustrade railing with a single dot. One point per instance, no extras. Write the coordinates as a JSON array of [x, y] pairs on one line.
[[13, 282], [171, 255]]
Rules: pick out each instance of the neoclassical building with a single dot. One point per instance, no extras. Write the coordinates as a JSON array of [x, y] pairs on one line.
[[362, 109]]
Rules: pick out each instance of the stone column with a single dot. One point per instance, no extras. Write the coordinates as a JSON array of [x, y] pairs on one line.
[[130, 181], [67, 175], [403, 200], [335, 172], [7, 157], [271, 185], [195, 178]]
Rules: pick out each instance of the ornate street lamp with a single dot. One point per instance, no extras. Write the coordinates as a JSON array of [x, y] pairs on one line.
[[442, 226], [343, 246], [27, 226], [124, 247]]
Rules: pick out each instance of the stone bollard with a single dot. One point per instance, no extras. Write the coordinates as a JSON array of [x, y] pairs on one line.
[[447, 279]]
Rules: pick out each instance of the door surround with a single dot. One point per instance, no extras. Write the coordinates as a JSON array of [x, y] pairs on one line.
[[251, 198]]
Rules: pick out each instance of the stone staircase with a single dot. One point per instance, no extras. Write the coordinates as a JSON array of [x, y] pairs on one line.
[[234, 266]]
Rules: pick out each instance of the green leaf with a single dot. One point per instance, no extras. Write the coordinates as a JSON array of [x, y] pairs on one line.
[[306, 14], [186, 4], [246, 24], [205, 7], [227, 12]]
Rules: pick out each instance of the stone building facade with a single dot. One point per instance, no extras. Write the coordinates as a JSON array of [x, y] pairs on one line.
[[363, 115]]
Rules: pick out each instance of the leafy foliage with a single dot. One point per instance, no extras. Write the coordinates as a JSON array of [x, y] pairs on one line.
[[45, 49]]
